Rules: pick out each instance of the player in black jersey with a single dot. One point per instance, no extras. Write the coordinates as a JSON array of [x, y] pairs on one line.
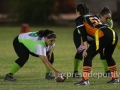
[[105, 18], [79, 47], [104, 37]]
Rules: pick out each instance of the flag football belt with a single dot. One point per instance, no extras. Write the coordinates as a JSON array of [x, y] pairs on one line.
[[97, 33], [113, 42], [97, 38]]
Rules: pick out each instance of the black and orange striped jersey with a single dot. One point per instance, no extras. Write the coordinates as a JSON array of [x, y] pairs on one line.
[[92, 20], [88, 25]]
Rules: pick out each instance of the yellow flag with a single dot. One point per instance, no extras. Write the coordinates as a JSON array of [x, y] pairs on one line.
[[97, 40]]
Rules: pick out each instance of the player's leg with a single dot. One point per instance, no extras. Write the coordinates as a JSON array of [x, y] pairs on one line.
[[78, 56], [77, 62], [111, 62], [91, 53], [23, 55], [87, 64], [104, 62], [49, 74], [104, 42]]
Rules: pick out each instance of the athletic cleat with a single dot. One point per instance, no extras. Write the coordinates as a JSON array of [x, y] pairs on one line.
[[49, 76], [107, 73], [9, 77], [114, 81], [82, 82], [76, 75]]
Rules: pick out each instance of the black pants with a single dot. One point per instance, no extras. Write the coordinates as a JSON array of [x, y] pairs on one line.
[[104, 42], [101, 52], [23, 53], [77, 42]]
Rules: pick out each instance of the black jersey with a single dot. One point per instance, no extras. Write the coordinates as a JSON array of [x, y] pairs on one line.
[[93, 23], [79, 25], [79, 21], [92, 20]]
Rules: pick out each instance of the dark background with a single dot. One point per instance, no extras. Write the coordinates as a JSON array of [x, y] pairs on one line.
[[50, 12]]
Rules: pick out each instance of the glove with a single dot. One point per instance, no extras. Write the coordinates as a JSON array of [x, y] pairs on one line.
[[80, 48]]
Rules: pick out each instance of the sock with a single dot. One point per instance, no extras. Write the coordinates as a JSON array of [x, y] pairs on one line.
[[105, 65], [86, 72], [15, 67], [47, 69], [76, 64], [113, 70]]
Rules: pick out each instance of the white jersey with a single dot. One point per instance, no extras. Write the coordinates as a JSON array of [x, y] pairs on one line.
[[34, 44]]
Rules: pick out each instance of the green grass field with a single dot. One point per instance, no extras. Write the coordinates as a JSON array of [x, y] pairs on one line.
[[31, 76]]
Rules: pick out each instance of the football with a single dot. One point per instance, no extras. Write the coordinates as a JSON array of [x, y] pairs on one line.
[[60, 78]]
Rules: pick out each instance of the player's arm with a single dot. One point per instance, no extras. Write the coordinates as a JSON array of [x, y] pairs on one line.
[[41, 52], [50, 53], [84, 36], [80, 26], [52, 49], [48, 64]]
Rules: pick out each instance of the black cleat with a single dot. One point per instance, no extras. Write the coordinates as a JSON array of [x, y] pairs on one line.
[[114, 81], [82, 82], [49, 76], [76, 75], [9, 77]]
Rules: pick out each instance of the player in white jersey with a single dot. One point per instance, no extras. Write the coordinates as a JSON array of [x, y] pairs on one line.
[[39, 44]]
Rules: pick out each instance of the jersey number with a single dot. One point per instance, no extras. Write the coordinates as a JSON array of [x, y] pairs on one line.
[[33, 34], [95, 21]]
